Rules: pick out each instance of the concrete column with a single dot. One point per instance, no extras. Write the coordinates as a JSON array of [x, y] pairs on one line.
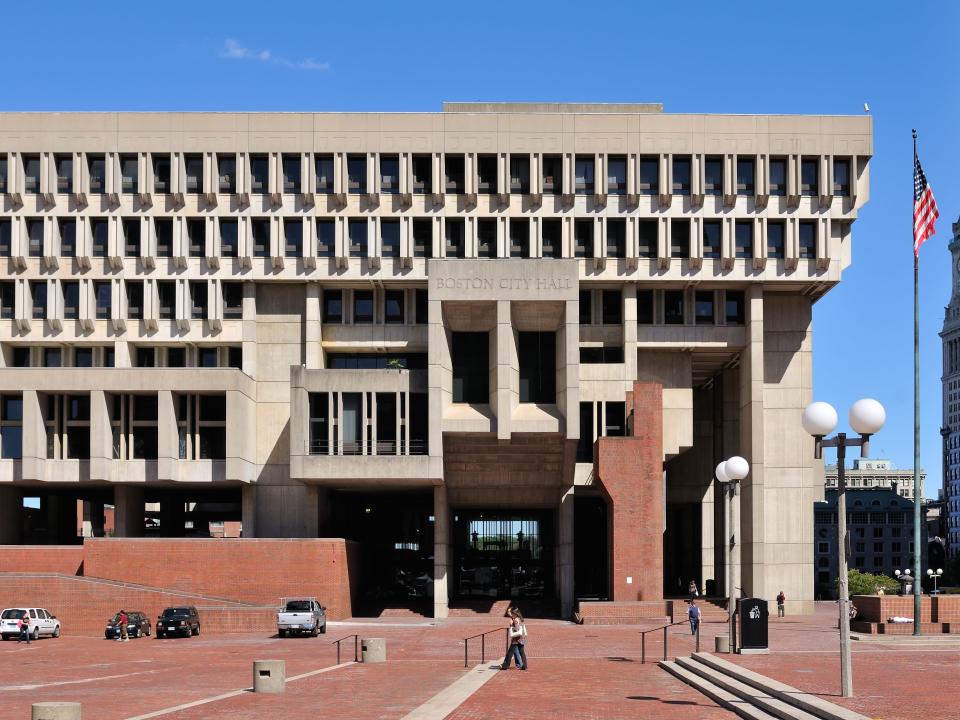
[[10, 511], [312, 327], [506, 360], [249, 511], [752, 496], [250, 329], [565, 553], [128, 510], [287, 509], [441, 551]]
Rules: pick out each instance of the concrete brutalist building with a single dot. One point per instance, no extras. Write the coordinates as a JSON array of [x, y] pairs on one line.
[[502, 346]]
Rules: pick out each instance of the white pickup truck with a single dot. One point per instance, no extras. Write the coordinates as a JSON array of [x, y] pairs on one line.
[[304, 615]]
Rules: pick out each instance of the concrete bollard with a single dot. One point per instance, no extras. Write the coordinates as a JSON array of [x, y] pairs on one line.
[[55, 711], [722, 644], [269, 676], [374, 650]]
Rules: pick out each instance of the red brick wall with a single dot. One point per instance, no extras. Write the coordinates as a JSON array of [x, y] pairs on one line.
[[249, 570], [60, 559], [874, 608], [630, 472]]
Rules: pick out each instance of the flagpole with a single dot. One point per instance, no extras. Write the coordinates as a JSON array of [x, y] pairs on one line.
[[916, 418]]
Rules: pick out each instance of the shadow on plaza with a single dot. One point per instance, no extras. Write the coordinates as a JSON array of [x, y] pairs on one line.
[[650, 698]]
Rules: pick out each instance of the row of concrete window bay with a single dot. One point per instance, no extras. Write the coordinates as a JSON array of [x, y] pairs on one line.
[[392, 173]]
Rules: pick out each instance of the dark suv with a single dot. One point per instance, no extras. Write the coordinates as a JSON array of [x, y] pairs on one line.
[[138, 625], [178, 621]]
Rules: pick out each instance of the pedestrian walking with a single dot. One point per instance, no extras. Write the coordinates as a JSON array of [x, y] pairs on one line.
[[23, 625], [124, 635], [522, 641], [514, 634], [692, 589], [781, 600], [693, 612]]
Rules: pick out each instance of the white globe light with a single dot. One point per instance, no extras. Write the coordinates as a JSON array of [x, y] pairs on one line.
[[907, 572], [721, 473], [897, 573], [736, 468], [867, 416], [939, 571], [929, 571], [819, 418]]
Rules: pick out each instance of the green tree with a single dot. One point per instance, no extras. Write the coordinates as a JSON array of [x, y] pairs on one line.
[[859, 583]]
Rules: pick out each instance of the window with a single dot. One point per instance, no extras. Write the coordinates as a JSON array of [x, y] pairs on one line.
[[422, 238], [775, 239], [108, 356], [323, 167], [703, 307], [583, 238], [357, 174], [390, 174], [712, 238], [197, 236], [6, 237], [235, 357], [134, 291], [291, 174], [617, 175], [11, 427], [31, 173], [878, 533], [649, 176], [129, 170], [645, 307], [390, 238], [841, 177], [333, 306], [470, 357], [616, 238], [38, 293], [229, 238], [3, 173], [823, 547], [99, 230], [326, 238], [486, 237], [552, 174], [357, 231], [602, 355], [393, 307], [259, 174], [743, 238], [161, 174], [681, 176], [453, 167], [164, 232], [198, 299], [586, 307], [64, 169], [35, 236], [808, 239], [809, 177], [232, 300], [146, 357], [778, 176], [713, 176], [551, 231], [227, 174], [647, 232], [421, 306], [52, 357], [68, 237], [167, 296], [612, 307], [680, 238], [260, 230], [193, 173], [7, 302], [673, 307], [520, 174], [71, 300], [422, 171], [207, 357], [97, 171], [21, 356], [735, 305], [362, 306], [487, 174], [538, 368], [176, 357], [746, 174], [454, 242], [292, 237], [131, 237], [583, 167], [519, 238]]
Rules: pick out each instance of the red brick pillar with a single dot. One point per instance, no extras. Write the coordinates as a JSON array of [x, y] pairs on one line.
[[630, 472]]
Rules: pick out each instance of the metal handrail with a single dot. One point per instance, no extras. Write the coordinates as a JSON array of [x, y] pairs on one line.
[[643, 639], [356, 640], [483, 645]]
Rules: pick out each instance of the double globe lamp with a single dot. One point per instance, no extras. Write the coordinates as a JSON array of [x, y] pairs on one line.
[[730, 472]]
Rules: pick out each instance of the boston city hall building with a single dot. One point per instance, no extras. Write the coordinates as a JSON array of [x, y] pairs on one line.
[[495, 352]]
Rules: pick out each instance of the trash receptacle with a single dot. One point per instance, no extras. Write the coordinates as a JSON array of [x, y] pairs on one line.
[[753, 622], [722, 644], [374, 650], [55, 711], [269, 676]]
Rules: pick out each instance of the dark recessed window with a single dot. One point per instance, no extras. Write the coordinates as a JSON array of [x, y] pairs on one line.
[[357, 174], [420, 301], [647, 236], [422, 171], [229, 238], [734, 307], [52, 357], [390, 174], [97, 170], [617, 175], [167, 295], [6, 237], [775, 239], [612, 307], [291, 174], [680, 238], [583, 238], [390, 238], [326, 238], [164, 232], [681, 176], [673, 307], [357, 231], [83, 357], [583, 174], [100, 231], [616, 238], [38, 293], [453, 166], [207, 357], [537, 357], [393, 307], [232, 300], [227, 174], [324, 171], [552, 174], [260, 229], [71, 300], [552, 237], [7, 301], [743, 238], [64, 168], [362, 306], [235, 357], [470, 361], [605, 354], [519, 238], [161, 174], [841, 177], [193, 173], [454, 240], [129, 170], [333, 306], [713, 176], [808, 239], [486, 174], [422, 230], [703, 307], [486, 237], [586, 307], [134, 292], [809, 176], [520, 174], [131, 237], [146, 357], [176, 357], [104, 299], [712, 238], [259, 174], [292, 237], [778, 177], [31, 173], [645, 307], [4, 173], [198, 299], [746, 175], [35, 236], [68, 237], [21, 357], [197, 236], [649, 176]]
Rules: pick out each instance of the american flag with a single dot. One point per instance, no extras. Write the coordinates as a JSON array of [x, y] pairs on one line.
[[925, 212]]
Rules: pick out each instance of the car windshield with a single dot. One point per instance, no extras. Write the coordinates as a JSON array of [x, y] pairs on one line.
[[298, 606], [12, 614], [176, 612]]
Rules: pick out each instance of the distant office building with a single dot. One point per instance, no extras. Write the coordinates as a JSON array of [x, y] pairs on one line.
[[950, 432], [869, 473]]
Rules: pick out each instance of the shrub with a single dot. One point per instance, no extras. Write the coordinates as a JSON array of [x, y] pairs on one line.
[[859, 583]]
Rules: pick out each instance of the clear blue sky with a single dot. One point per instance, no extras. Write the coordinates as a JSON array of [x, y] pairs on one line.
[[763, 57]]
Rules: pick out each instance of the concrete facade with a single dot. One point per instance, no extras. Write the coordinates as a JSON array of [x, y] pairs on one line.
[[869, 473], [950, 380], [217, 290]]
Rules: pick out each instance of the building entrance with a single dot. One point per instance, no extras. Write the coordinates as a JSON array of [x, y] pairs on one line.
[[503, 556], [681, 549]]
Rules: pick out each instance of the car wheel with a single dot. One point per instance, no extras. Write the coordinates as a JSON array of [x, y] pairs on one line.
[[159, 635], [56, 631], [315, 631], [197, 632], [36, 633], [323, 629]]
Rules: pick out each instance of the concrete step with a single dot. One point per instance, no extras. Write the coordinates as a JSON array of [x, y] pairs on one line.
[[720, 696], [815, 706], [758, 698]]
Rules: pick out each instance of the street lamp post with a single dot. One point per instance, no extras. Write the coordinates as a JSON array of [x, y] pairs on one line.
[[935, 576], [819, 419], [729, 474]]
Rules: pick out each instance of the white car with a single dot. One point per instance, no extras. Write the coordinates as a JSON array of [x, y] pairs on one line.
[[40, 622]]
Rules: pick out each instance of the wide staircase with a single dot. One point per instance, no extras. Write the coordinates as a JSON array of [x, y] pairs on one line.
[[749, 694]]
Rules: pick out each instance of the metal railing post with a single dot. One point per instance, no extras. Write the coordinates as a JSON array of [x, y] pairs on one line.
[[483, 649], [466, 649], [665, 641], [338, 652], [356, 655], [698, 636], [643, 648]]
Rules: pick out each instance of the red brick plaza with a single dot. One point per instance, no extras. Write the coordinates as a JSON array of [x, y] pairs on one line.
[[576, 671]]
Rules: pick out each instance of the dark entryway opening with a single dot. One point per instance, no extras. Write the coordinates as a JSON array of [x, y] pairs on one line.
[[591, 578], [395, 533], [199, 513], [681, 549]]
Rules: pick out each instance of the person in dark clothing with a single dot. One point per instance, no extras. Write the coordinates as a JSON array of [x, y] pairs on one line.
[[693, 612], [781, 601], [24, 625]]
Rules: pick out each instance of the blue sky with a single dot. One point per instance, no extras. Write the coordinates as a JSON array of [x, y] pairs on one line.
[[739, 57]]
